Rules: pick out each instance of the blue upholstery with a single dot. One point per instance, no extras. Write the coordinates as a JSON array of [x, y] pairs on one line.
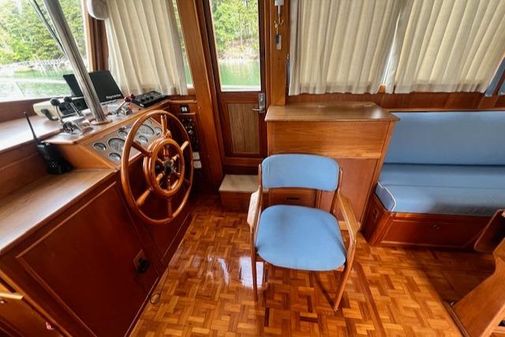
[[300, 170], [442, 189], [301, 238], [454, 138]]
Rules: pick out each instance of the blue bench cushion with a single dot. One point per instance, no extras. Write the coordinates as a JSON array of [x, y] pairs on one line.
[[301, 238], [442, 189], [453, 138]]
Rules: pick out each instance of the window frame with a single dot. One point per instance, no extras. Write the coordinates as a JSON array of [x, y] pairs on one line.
[[96, 45]]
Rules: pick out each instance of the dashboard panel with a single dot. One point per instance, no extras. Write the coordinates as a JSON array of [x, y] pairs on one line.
[[110, 146]]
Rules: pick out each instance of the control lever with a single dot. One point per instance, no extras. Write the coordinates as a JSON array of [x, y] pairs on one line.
[[70, 102], [56, 103], [125, 108]]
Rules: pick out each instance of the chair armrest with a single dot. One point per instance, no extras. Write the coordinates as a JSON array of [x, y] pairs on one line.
[[253, 213], [350, 219]]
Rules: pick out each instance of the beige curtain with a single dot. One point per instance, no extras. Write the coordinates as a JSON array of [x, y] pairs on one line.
[[340, 45], [144, 46], [449, 45]]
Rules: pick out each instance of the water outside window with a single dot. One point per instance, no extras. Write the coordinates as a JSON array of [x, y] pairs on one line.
[[31, 64], [236, 31]]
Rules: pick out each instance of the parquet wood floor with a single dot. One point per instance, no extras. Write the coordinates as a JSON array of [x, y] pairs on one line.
[[207, 290]]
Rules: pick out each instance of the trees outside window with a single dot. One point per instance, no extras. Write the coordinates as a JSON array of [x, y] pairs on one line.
[[31, 63]]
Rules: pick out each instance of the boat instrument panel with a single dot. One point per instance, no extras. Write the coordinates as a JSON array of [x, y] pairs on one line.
[[110, 146]]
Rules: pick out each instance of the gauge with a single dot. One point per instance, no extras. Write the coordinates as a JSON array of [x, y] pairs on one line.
[[157, 130], [100, 146], [116, 144], [115, 156], [143, 139], [146, 130], [122, 133]]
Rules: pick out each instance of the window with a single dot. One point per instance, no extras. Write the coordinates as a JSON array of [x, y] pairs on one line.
[[236, 31], [31, 63]]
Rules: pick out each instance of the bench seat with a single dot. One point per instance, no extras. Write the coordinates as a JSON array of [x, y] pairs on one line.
[[442, 189], [443, 177]]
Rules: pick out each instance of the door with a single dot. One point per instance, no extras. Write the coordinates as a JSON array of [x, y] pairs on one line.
[[236, 46]]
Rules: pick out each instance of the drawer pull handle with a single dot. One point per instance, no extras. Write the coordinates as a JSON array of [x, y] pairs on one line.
[[11, 296]]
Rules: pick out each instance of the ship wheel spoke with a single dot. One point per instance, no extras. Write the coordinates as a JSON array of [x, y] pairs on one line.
[[184, 145], [141, 149], [169, 208], [143, 197]]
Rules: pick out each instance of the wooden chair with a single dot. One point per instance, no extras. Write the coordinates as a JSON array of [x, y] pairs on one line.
[[298, 237]]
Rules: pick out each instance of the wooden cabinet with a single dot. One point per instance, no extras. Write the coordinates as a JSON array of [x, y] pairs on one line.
[[356, 134], [82, 267]]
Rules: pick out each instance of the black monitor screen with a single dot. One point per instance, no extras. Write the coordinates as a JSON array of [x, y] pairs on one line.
[[105, 86]]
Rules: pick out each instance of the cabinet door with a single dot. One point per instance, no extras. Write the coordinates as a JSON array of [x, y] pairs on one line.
[[86, 262], [17, 318]]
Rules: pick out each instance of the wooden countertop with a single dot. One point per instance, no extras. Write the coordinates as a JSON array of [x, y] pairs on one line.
[[28, 208], [328, 112], [16, 132]]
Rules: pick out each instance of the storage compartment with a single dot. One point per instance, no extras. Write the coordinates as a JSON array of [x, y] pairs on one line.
[[292, 196]]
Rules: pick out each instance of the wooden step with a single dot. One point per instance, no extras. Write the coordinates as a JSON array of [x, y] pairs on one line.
[[235, 191]]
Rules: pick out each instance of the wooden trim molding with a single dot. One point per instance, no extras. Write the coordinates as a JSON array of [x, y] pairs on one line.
[[277, 60], [14, 109], [192, 32], [97, 42]]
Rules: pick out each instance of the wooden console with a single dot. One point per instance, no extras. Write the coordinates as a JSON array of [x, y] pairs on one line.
[[356, 134]]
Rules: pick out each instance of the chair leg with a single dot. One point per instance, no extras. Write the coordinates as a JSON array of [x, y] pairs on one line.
[[254, 276], [341, 287]]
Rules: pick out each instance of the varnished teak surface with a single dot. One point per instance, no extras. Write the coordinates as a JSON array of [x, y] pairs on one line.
[[356, 134], [391, 291], [23, 211], [328, 112]]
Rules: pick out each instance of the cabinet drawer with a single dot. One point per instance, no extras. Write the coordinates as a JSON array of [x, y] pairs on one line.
[[292, 196], [452, 234]]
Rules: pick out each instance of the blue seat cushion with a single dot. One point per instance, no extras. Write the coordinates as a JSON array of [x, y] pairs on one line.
[[442, 189], [301, 238]]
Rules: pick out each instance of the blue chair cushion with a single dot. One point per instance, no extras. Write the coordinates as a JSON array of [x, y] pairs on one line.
[[301, 238], [300, 170], [442, 189], [453, 138]]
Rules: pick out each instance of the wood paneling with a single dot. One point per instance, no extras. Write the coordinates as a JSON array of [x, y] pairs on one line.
[[79, 268], [277, 59], [18, 319], [207, 117], [19, 167], [26, 209], [243, 128], [355, 134], [207, 289], [14, 109], [338, 140], [415, 100]]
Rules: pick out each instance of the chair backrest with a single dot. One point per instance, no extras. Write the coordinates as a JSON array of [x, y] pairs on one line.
[[300, 171]]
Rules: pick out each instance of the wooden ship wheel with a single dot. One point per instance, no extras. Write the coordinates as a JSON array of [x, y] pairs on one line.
[[167, 168]]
